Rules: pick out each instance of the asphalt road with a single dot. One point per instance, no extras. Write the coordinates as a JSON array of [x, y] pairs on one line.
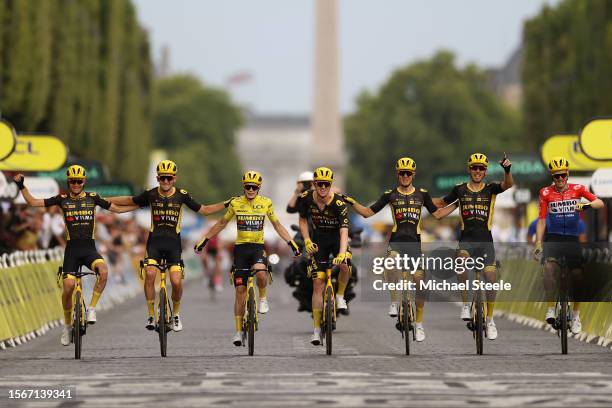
[[121, 363]]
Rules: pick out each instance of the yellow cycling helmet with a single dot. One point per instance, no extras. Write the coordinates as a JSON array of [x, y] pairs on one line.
[[478, 158], [558, 165], [252, 177], [166, 167], [405, 163], [75, 172], [323, 174]]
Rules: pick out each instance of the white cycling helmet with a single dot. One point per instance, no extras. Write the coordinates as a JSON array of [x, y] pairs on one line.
[[305, 176]]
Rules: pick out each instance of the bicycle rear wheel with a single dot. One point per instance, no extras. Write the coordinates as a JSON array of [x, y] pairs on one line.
[[479, 326], [251, 321], [76, 326], [161, 326], [329, 321], [563, 314]]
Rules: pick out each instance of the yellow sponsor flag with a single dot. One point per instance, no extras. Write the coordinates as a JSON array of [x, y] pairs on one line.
[[568, 146], [596, 139], [36, 153]]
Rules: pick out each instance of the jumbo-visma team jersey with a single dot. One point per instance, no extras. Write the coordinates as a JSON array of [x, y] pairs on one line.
[[79, 213], [250, 218], [406, 209], [166, 210], [559, 209]]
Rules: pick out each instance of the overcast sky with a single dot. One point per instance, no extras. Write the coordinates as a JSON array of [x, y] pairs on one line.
[[273, 41]]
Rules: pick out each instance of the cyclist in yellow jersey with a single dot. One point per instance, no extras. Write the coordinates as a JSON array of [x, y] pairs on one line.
[[250, 211]]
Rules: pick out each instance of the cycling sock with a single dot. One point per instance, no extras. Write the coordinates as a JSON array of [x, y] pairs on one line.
[[576, 314], [576, 307], [464, 296], [262, 292], [419, 314], [393, 296], [490, 307], [341, 287], [176, 306], [238, 321], [67, 317], [151, 307], [94, 299], [316, 314]]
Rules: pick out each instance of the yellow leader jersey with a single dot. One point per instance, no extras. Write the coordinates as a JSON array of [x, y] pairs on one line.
[[250, 217]]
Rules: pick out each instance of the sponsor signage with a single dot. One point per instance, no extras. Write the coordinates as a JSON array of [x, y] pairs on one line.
[[568, 146], [36, 153], [596, 139]]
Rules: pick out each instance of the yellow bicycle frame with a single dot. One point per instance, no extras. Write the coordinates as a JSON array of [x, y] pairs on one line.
[[406, 296], [329, 286], [78, 289], [250, 285]]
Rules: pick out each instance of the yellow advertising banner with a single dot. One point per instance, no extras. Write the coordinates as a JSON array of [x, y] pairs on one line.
[[568, 146], [36, 153], [7, 139], [596, 139]]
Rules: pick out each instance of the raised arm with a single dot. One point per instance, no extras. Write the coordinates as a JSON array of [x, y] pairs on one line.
[[34, 202], [444, 211], [217, 228], [213, 208], [122, 200], [508, 180], [122, 208]]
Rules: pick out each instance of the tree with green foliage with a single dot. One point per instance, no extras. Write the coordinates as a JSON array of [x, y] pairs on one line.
[[80, 70], [196, 124], [431, 111], [566, 68]]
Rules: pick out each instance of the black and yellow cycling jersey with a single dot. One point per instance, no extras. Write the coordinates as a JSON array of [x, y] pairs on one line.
[[79, 212], [476, 210], [406, 209], [250, 217], [166, 210], [326, 221]]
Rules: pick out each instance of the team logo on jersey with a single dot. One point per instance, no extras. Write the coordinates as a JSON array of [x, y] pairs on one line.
[[562, 207]]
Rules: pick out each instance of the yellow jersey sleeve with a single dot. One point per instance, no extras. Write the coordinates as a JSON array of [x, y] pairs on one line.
[[229, 214], [271, 215]]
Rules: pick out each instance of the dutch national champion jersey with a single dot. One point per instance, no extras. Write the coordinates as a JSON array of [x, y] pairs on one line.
[[476, 209], [250, 217], [166, 210], [559, 209], [406, 209], [327, 221], [79, 213]]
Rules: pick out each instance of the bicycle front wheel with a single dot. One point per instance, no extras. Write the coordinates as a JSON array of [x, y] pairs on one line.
[[329, 321], [76, 326], [563, 314], [161, 324], [251, 321], [406, 324], [479, 326]]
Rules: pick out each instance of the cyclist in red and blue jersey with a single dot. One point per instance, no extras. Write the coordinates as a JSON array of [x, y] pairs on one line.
[[559, 227]]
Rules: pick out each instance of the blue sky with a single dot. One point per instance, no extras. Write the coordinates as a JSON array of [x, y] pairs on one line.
[[273, 41]]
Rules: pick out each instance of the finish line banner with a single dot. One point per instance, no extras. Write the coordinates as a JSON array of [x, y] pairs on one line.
[[444, 271]]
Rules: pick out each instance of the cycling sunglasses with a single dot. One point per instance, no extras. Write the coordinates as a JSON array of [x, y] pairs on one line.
[[560, 176], [323, 184], [165, 178], [77, 181], [405, 173], [251, 187], [480, 168]]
